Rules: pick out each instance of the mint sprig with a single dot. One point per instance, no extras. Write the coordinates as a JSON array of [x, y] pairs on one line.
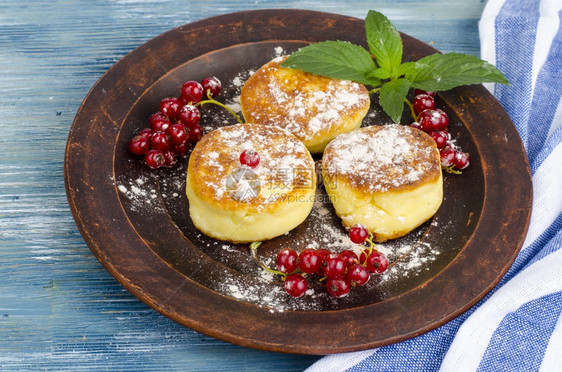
[[381, 66], [384, 42], [335, 59], [445, 71]]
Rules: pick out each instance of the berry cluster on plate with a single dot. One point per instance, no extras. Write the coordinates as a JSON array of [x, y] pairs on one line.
[[177, 125], [435, 122], [339, 271]]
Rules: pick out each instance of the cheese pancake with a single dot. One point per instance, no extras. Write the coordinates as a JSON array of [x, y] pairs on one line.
[[233, 202], [387, 178], [314, 108]]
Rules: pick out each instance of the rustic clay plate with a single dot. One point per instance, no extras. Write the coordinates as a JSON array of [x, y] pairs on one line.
[[136, 220]]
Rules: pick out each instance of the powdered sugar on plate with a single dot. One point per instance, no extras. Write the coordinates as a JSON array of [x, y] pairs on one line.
[[139, 191]]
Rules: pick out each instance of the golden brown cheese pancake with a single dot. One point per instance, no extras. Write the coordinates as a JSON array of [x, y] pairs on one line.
[[230, 201], [387, 178], [315, 109]]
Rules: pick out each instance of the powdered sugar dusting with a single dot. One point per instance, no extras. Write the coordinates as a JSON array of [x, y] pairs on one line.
[[380, 158], [285, 164], [306, 110], [139, 191]]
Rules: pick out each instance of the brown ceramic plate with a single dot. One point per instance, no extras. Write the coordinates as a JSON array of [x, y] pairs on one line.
[[136, 221]]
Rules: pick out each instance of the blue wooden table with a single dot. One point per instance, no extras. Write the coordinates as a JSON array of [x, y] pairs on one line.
[[59, 308]]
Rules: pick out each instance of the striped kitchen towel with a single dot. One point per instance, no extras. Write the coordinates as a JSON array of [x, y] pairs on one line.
[[518, 326]]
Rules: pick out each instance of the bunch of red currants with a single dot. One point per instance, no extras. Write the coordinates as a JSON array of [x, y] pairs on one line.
[[435, 122], [172, 129], [341, 271]]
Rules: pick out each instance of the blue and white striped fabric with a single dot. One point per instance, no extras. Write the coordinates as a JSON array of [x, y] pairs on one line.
[[518, 326]]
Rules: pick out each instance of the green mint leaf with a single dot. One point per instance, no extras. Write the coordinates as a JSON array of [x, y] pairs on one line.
[[438, 72], [392, 96], [405, 69], [384, 41], [334, 59], [379, 73]]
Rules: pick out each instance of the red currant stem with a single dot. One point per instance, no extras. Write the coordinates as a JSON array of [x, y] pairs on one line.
[[368, 250], [412, 111], [254, 249], [214, 101], [371, 243], [451, 169]]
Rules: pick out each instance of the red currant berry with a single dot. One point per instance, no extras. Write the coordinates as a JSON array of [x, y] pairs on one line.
[[376, 262], [334, 266], [309, 261], [432, 120], [447, 156], [422, 102], [441, 138], [178, 134], [191, 92], [250, 158], [170, 158], [189, 115], [444, 119], [363, 256], [155, 159], [461, 160], [181, 150], [349, 257], [358, 234], [195, 133], [160, 141], [160, 124], [146, 132], [287, 260], [295, 285], [419, 91], [358, 275], [157, 115], [323, 253], [211, 85], [139, 145], [416, 125], [170, 107], [338, 287]]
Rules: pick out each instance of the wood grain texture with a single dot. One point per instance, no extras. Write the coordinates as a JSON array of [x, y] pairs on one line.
[[59, 308]]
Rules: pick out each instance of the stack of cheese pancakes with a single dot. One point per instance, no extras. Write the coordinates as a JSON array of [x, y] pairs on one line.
[[387, 178]]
